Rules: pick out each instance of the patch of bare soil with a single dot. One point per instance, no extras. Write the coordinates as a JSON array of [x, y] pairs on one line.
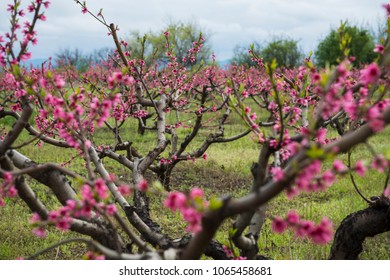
[[215, 178]]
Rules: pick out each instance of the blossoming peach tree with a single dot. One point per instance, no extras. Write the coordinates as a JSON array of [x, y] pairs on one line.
[[288, 112]]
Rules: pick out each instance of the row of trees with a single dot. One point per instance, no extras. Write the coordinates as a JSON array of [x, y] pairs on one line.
[[286, 51]]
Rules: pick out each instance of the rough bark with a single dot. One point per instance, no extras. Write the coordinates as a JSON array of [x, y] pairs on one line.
[[356, 227]]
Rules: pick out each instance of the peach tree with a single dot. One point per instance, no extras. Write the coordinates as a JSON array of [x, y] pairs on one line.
[[288, 112]]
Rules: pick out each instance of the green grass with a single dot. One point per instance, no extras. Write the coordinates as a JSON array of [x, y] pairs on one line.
[[226, 171]]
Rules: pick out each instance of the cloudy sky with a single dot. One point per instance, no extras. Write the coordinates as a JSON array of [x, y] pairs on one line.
[[230, 22]]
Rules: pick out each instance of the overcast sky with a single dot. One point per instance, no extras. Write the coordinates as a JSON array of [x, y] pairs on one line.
[[231, 22]]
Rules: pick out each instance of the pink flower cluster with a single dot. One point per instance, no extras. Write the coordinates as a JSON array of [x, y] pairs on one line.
[[310, 179], [374, 115], [117, 78], [319, 234], [7, 189], [306, 180], [277, 174], [370, 74], [29, 35], [88, 206], [229, 253], [189, 205], [93, 256]]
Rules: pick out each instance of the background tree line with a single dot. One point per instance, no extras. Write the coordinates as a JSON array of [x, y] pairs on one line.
[[287, 52]]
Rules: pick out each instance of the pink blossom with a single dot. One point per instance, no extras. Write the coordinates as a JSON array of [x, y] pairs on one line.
[[128, 80], [304, 228], [370, 74], [253, 116], [321, 135], [328, 177], [380, 163], [86, 210], [101, 188], [93, 256], [12, 191], [322, 234], [35, 218], [227, 251], [86, 192], [111, 209], [124, 190], [339, 166], [40, 232], [360, 168], [194, 219], [175, 201], [342, 71], [245, 93], [63, 224], [42, 17], [204, 156], [64, 211], [379, 49], [143, 185], [25, 56], [292, 217], [277, 173], [196, 193], [53, 216], [386, 192], [7, 176], [59, 82], [117, 76], [278, 225], [377, 125]]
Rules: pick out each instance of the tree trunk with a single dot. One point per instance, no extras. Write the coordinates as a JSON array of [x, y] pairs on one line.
[[349, 237]]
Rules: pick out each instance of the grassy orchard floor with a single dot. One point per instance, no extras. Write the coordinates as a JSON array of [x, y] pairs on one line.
[[227, 171]]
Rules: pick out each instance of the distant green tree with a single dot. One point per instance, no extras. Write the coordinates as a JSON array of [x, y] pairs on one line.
[[241, 55], [285, 51], [361, 46], [152, 45]]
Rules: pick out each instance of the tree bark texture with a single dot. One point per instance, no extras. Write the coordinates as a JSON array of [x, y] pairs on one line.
[[353, 230]]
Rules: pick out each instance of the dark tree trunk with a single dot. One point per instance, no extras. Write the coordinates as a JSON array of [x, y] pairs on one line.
[[142, 124], [349, 237]]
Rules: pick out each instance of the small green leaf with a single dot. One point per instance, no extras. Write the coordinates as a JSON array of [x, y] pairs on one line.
[[157, 186], [215, 203], [49, 74], [241, 89], [79, 182], [16, 70], [387, 154], [232, 231], [229, 83], [315, 152], [233, 100]]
